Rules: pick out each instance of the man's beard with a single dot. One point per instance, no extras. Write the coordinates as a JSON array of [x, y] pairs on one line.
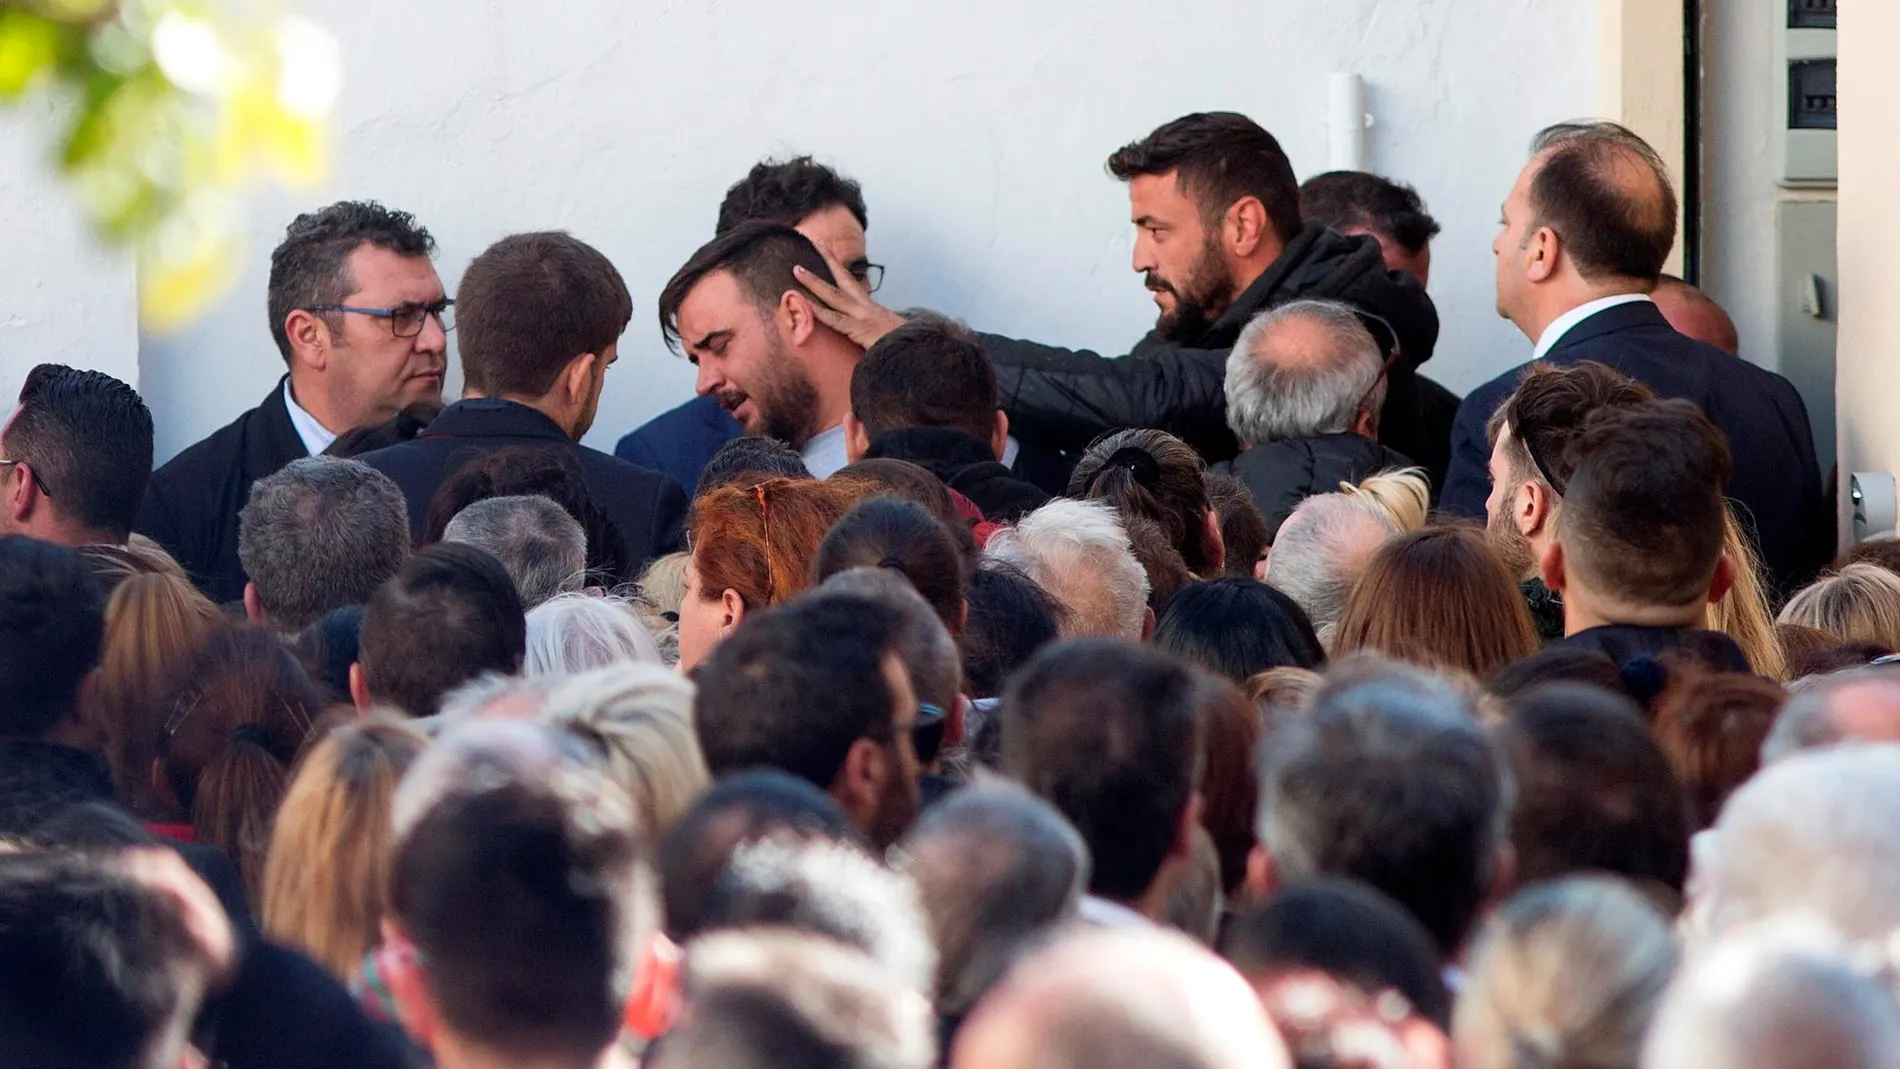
[[1199, 300], [786, 401], [1510, 545], [896, 808]]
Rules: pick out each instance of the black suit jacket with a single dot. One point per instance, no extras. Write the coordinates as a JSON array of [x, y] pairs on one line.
[[1777, 481], [191, 507], [647, 507]]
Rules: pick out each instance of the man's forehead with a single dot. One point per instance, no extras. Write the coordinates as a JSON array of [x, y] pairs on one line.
[[376, 270], [712, 305]]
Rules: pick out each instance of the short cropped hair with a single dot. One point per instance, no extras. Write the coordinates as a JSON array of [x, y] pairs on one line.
[[1644, 514], [749, 460], [311, 266], [319, 534], [543, 548], [930, 372], [1355, 200], [759, 255], [1275, 393], [1110, 734], [1078, 553], [451, 615], [1218, 158], [52, 626], [788, 192], [1608, 229], [88, 437], [531, 303], [1320, 552]]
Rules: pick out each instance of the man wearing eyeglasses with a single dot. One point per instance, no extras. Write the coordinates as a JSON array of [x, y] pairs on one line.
[[362, 321]]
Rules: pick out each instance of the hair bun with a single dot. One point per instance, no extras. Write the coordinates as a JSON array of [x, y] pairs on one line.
[[255, 734], [1138, 462]]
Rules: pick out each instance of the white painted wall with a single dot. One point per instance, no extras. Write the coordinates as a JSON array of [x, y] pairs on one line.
[[63, 299], [977, 128]]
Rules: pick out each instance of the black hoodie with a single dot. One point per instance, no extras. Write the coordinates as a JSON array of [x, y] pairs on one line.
[[1064, 398]]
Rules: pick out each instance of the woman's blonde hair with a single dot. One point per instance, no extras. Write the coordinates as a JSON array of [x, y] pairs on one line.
[[639, 718], [1403, 496], [1859, 603], [1567, 974], [328, 864], [1743, 615], [156, 626]]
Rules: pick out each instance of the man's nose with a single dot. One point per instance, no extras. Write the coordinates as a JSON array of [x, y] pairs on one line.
[[707, 381], [432, 338]]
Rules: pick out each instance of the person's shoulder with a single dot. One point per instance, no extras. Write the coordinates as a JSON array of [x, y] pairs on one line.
[[696, 413], [622, 472], [220, 448]]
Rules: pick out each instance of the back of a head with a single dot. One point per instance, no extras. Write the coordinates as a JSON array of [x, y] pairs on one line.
[[903, 537], [1237, 628], [1301, 370], [573, 633], [449, 616], [1218, 158], [1607, 194], [52, 625], [1711, 726], [786, 192], [1813, 833], [738, 808], [156, 625], [545, 471], [1152, 475], [1107, 732], [1854, 705], [1556, 664], [320, 534], [1354, 200], [1121, 999], [1403, 496], [1243, 531], [1859, 603], [1439, 598], [771, 999], [529, 305], [1390, 781], [760, 540], [891, 477], [1320, 551], [97, 970], [1078, 553], [1568, 973], [1010, 618], [88, 439], [759, 254], [1594, 790], [930, 372], [1549, 409], [924, 644], [1644, 512], [639, 719], [997, 869], [1694, 313], [794, 687], [749, 460], [538, 965], [1346, 930], [542, 547]]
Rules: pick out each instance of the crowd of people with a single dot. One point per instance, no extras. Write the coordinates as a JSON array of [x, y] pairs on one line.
[[922, 697]]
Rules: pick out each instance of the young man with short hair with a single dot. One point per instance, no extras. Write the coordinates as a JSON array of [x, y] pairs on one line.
[[449, 617], [75, 458]]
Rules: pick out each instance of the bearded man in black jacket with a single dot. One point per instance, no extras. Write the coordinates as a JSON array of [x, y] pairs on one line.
[[1219, 239]]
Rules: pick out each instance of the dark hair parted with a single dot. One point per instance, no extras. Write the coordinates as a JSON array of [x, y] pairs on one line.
[[1549, 408], [930, 372], [902, 536], [88, 438], [1109, 733], [1218, 158], [1238, 628], [1644, 514], [1152, 475], [787, 192], [52, 626], [759, 255], [531, 303], [1612, 222], [451, 615], [1348, 200], [311, 266], [549, 471], [1439, 598]]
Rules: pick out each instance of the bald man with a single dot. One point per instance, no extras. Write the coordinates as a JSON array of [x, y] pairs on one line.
[[1585, 232], [1694, 313], [1121, 999]]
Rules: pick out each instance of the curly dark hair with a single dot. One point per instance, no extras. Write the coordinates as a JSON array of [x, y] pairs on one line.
[[311, 266]]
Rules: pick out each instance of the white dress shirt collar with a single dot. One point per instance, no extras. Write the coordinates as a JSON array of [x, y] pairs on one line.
[[1563, 324], [825, 453], [316, 437]]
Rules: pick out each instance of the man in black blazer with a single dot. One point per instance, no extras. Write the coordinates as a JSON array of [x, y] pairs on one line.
[[540, 317], [360, 317], [1585, 232]]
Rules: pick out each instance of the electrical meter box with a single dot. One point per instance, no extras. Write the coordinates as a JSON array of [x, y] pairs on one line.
[[1806, 119]]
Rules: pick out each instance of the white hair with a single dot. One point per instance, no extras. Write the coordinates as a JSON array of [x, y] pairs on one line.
[[490, 696], [1078, 552], [1320, 551], [640, 718], [1809, 720], [1813, 834], [1276, 392], [576, 633], [1780, 996], [543, 549]]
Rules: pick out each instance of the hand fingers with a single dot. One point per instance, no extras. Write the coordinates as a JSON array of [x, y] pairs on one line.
[[833, 318], [847, 282], [824, 292]]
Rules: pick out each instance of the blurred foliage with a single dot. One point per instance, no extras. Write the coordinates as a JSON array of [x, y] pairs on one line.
[[172, 108]]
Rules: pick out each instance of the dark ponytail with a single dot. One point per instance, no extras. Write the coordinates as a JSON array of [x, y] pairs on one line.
[[1155, 476]]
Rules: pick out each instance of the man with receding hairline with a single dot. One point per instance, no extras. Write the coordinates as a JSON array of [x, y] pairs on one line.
[[1695, 314], [1584, 235]]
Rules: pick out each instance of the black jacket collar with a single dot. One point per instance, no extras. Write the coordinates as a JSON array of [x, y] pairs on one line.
[[490, 417], [944, 450], [1625, 643], [1616, 318], [39, 779], [281, 440]]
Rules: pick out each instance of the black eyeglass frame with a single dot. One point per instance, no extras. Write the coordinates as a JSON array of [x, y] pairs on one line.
[[30, 470], [392, 315]]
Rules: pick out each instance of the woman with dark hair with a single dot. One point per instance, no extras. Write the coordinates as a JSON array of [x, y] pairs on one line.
[[225, 752], [546, 471], [1439, 598], [885, 532], [1238, 628], [913, 482], [1155, 476]]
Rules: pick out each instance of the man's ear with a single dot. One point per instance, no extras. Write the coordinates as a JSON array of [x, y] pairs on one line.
[[1545, 249], [796, 318], [999, 436], [310, 340], [18, 494], [1262, 879], [254, 605], [1213, 547], [857, 441], [1724, 580], [1551, 567], [1148, 623], [1532, 507], [359, 688], [1183, 846], [1260, 566], [860, 781], [577, 379], [957, 721], [1367, 425], [732, 606], [1244, 229]]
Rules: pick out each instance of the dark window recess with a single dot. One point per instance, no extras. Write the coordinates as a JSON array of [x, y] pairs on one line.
[[1811, 14], [1811, 95]]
